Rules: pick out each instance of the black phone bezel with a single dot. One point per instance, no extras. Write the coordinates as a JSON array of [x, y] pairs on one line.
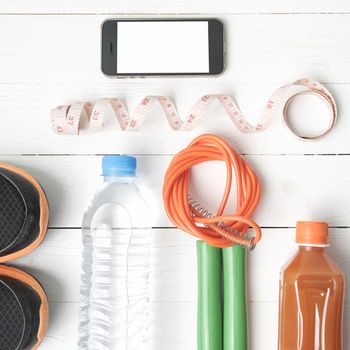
[[109, 46]]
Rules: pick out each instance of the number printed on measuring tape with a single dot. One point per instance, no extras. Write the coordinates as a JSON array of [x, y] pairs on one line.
[[66, 119]]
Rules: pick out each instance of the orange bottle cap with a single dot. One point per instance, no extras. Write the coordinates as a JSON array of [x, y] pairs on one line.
[[312, 232]]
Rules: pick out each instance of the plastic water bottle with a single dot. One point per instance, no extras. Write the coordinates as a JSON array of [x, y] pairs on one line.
[[114, 292]]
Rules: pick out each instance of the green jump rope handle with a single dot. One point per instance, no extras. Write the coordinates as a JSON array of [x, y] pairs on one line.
[[209, 318], [235, 307]]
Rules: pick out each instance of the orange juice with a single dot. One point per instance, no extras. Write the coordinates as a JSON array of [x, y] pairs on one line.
[[311, 294]]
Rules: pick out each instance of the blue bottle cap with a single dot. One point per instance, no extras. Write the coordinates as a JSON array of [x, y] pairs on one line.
[[118, 166]]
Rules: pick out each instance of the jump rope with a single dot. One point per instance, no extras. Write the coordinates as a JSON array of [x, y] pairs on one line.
[[222, 240]]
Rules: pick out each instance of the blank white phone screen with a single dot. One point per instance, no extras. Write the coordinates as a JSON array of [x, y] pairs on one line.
[[163, 47]]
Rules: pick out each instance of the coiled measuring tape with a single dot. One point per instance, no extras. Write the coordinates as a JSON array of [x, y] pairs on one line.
[[66, 119]]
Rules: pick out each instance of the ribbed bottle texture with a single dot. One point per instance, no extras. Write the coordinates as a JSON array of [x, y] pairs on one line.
[[114, 293]]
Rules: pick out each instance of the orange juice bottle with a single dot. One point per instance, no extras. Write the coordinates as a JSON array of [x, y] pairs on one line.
[[311, 294]]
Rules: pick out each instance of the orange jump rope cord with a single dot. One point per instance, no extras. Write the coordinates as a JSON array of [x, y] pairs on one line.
[[219, 230]]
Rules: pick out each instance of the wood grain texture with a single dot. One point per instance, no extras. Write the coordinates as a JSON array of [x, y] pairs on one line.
[[29, 120], [173, 284], [50, 55], [259, 49], [41, 69], [182, 6]]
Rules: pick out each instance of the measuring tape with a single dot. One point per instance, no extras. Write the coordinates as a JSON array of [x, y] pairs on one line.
[[65, 119]]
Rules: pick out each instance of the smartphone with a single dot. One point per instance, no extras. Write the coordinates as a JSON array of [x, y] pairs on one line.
[[148, 47]]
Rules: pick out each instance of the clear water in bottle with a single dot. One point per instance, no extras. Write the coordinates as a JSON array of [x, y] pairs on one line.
[[114, 292]]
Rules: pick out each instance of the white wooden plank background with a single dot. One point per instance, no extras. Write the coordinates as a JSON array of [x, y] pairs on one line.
[[49, 55], [60, 64], [170, 7]]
